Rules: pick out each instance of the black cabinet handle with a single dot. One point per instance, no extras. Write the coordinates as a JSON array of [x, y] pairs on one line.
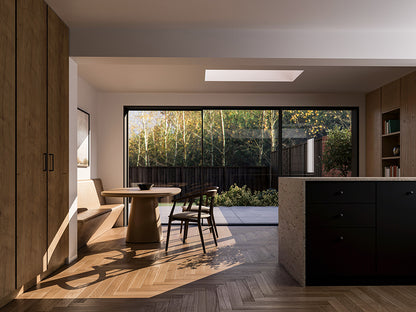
[[341, 238], [341, 214], [52, 162], [45, 162], [340, 192], [411, 193]]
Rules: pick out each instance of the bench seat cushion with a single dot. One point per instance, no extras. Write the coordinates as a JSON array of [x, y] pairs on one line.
[[89, 214]]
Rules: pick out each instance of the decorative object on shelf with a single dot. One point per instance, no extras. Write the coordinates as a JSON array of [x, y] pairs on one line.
[[145, 186], [396, 150]]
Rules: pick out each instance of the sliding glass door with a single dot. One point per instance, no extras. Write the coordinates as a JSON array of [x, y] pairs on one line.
[[239, 148], [164, 147], [242, 151], [317, 143]]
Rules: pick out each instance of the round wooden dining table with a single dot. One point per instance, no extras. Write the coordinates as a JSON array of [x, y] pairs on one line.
[[144, 221]]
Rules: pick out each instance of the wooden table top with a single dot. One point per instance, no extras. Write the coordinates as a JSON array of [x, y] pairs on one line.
[[136, 192]]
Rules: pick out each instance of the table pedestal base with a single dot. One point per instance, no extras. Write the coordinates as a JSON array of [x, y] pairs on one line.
[[144, 221]]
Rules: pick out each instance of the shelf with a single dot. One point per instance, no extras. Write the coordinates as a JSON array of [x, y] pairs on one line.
[[391, 134], [394, 111], [391, 158]]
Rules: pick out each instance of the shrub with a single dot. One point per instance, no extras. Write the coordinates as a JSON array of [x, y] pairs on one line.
[[338, 151], [243, 196], [268, 197]]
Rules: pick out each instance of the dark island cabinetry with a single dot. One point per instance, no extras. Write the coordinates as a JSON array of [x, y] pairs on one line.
[[396, 229], [360, 232]]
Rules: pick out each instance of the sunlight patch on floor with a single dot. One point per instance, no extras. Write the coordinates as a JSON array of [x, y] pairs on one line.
[[113, 269]]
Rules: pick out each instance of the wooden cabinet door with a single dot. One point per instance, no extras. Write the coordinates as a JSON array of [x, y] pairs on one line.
[[31, 105], [396, 230], [407, 126], [7, 143], [334, 252], [373, 134], [390, 96], [58, 92]]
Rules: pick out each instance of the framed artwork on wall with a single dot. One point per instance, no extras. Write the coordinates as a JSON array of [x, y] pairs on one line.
[[83, 139]]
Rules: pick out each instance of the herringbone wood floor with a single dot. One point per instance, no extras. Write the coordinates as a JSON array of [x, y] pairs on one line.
[[240, 274]]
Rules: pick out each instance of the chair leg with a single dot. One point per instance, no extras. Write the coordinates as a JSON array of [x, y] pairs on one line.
[[201, 235], [213, 231], [209, 224], [215, 226], [167, 237], [185, 231], [180, 230]]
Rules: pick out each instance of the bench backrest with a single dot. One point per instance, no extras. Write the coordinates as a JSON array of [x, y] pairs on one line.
[[89, 194]]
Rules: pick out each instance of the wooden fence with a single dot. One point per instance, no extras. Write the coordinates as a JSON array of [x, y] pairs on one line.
[[256, 178], [294, 160]]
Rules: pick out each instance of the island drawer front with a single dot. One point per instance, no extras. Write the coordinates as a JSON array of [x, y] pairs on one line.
[[340, 192], [396, 229], [342, 252], [349, 215]]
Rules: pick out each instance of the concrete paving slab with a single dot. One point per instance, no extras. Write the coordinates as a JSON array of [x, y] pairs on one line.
[[234, 215]]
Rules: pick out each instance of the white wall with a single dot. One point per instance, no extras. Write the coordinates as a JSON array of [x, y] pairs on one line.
[[110, 118], [87, 96], [73, 101]]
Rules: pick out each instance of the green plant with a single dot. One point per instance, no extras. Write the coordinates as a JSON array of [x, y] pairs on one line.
[[243, 196], [268, 197], [338, 151]]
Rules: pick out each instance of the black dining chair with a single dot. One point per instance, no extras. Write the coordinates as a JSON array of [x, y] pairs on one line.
[[193, 216], [207, 206]]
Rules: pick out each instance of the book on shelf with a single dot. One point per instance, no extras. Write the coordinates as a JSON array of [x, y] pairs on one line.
[[392, 171], [391, 126]]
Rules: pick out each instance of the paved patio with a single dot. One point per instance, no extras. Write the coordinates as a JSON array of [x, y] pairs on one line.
[[247, 215]]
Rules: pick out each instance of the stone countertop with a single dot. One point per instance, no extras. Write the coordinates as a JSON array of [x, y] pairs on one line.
[[344, 179]]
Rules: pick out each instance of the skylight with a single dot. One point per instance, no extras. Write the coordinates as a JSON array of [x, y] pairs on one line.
[[252, 75]]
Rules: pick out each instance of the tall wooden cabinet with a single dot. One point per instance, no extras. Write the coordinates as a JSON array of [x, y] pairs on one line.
[[373, 130], [7, 150], [31, 133], [396, 102], [58, 180], [34, 140], [408, 125]]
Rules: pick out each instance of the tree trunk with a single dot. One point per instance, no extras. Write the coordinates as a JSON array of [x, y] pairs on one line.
[[138, 151], [273, 121], [211, 121], [166, 138], [184, 139], [146, 145], [223, 138], [261, 149], [176, 138]]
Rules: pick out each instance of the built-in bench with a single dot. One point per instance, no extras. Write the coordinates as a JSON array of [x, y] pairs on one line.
[[95, 216]]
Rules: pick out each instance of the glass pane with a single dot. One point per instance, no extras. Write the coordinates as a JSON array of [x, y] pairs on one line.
[[316, 143], [164, 147], [240, 148]]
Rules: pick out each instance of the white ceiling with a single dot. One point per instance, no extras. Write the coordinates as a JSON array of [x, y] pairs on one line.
[[374, 15], [187, 75]]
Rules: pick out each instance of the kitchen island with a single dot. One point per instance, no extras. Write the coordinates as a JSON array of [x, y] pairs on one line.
[[354, 230]]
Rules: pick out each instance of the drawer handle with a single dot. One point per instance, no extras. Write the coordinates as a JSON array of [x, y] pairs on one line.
[[411, 193], [341, 214], [341, 238], [341, 192]]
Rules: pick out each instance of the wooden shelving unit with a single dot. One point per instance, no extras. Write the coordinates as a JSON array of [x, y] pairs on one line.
[[391, 134], [389, 141]]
